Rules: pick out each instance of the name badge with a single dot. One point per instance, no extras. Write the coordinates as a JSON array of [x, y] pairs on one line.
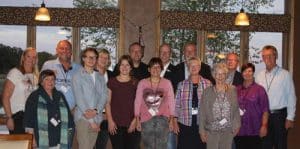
[[223, 121], [152, 112], [64, 89], [242, 112], [54, 122], [194, 111]]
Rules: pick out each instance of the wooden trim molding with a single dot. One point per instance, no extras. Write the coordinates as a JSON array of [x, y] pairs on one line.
[[74, 17], [224, 21]]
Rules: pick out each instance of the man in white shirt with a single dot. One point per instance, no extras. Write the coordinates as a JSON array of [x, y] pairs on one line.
[[279, 86]]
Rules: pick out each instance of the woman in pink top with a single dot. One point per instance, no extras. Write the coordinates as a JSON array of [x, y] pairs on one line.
[[154, 107]]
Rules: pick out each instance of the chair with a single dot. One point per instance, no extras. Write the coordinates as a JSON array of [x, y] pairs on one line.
[[17, 137]]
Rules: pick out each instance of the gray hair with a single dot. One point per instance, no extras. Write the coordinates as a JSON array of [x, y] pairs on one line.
[[219, 66], [194, 59]]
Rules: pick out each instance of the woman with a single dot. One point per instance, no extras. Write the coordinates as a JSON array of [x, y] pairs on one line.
[[103, 62], [188, 97], [120, 107], [90, 94], [154, 107], [47, 115], [20, 82], [254, 107], [219, 112]]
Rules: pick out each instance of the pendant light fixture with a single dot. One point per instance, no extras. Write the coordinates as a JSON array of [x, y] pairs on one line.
[[242, 19], [42, 14]]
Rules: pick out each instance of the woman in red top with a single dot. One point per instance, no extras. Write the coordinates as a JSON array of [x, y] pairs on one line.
[[120, 107]]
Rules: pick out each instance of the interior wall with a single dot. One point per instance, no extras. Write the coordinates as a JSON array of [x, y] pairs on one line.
[[293, 140]]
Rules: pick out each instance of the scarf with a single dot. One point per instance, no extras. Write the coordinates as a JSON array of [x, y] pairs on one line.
[[42, 119]]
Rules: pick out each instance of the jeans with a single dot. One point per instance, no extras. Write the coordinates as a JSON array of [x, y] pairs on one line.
[[172, 140]]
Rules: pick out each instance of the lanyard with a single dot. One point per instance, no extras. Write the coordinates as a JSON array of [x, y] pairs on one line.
[[270, 83]]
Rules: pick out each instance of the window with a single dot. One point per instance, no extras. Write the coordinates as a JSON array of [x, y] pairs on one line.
[[12, 44], [100, 38]]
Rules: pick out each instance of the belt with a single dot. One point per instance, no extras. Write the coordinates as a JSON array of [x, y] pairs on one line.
[[277, 111]]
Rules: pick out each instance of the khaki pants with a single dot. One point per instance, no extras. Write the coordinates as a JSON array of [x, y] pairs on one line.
[[86, 137], [219, 140]]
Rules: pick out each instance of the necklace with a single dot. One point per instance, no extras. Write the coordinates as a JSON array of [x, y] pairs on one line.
[[152, 82], [270, 83]]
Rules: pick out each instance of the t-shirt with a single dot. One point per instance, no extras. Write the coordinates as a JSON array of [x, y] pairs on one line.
[[24, 85], [122, 101]]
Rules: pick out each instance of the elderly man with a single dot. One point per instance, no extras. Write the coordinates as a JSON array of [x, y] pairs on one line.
[[182, 73], [64, 69], [234, 77], [281, 92]]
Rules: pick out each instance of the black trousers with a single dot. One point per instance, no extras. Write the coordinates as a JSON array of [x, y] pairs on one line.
[[125, 140], [103, 136], [277, 134], [189, 137], [18, 123], [248, 142]]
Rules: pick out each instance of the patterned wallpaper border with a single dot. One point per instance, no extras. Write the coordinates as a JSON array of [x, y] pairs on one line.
[[61, 17], [223, 21], [78, 17]]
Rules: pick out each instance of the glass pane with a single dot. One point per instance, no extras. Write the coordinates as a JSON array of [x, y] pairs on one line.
[[46, 40], [12, 44], [100, 38], [219, 43], [257, 41], [253, 6], [62, 3], [177, 38]]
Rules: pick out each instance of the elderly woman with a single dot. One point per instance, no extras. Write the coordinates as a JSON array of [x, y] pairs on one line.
[[188, 97], [90, 92], [120, 107], [254, 107], [219, 112], [154, 107], [47, 115], [20, 82]]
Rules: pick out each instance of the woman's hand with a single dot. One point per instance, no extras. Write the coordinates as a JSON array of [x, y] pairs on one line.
[[90, 113], [132, 126], [171, 125], [263, 131], [203, 137], [10, 123], [112, 127], [175, 126], [138, 125], [95, 127]]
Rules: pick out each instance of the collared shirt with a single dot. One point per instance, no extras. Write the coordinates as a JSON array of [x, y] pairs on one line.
[[253, 102], [63, 78], [186, 71], [230, 77], [183, 99], [165, 70], [279, 86]]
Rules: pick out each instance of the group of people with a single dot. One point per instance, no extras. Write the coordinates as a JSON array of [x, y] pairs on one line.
[[159, 104]]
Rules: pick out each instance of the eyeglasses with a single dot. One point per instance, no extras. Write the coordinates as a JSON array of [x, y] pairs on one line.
[[91, 57], [268, 56]]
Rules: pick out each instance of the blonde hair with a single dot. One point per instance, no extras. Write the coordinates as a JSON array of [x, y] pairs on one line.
[[219, 66], [35, 69], [104, 51], [194, 59]]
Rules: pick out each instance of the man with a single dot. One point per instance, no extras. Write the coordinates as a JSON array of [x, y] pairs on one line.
[[140, 70], [182, 73], [279, 86], [234, 77], [165, 54], [64, 70]]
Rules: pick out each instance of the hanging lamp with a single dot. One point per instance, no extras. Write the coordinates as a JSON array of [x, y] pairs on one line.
[[242, 19], [42, 14]]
